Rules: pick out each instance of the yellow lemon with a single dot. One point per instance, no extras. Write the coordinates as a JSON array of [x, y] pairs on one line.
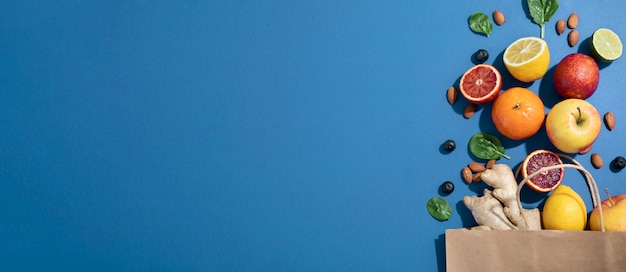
[[564, 210], [527, 59]]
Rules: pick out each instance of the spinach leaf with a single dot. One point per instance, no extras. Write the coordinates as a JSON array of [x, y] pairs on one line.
[[439, 208], [480, 22], [487, 146], [541, 11]]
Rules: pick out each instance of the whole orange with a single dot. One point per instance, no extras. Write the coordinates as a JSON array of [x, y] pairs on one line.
[[518, 113]]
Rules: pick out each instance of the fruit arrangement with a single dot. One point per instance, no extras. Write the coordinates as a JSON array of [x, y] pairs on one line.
[[572, 126]]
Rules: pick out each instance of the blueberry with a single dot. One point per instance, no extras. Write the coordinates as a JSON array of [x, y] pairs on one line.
[[449, 145], [447, 187], [482, 55], [619, 163]]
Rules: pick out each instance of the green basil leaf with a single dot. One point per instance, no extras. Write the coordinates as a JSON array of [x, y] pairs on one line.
[[549, 8], [486, 146], [541, 11], [535, 8], [481, 23], [439, 208]]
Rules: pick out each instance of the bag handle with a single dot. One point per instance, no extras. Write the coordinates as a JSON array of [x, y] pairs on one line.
[[591, 183]]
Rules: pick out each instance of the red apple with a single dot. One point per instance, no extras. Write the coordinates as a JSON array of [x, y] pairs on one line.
[[576, 76], [613, 212], [573, 125]]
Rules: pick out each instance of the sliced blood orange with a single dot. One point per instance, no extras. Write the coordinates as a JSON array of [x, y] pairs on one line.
[[548, 180], [481, 84]]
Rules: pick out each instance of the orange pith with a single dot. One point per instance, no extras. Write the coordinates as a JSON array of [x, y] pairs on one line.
[[548, 180], [481, 84], [518, 113]]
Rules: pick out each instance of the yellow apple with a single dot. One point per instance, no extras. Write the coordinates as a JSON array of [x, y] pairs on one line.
[[573, 125], [613, 212]]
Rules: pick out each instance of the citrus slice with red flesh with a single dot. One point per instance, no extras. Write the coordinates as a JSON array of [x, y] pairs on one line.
[[547, 180], [481, 84]]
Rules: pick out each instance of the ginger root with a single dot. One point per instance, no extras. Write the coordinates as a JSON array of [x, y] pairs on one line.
[[488, 211], [499, 209]]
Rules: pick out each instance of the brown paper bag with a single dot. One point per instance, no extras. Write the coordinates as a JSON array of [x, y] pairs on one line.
[[541, 250], [538, 250]]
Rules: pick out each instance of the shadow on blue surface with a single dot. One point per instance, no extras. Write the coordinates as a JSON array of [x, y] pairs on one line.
[[583, 46], [440, 247], [547, 92], [467, 219]]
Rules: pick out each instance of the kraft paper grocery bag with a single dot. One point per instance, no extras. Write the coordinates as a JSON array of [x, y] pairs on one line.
[[540, 250]]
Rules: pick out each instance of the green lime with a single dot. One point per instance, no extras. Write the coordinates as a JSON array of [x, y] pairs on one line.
[[605, 45]]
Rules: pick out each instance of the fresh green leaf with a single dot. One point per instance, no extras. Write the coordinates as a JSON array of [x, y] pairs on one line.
[[481, 23], [541, 11], [487, 146], [439, 208]]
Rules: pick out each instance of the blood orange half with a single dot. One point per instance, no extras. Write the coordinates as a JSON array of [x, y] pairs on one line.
[[548, 180], [481, 84]]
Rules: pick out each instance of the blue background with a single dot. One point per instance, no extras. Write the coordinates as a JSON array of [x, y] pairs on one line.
[[255, 135]]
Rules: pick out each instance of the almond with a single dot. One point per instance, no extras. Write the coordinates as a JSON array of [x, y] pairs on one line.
[[609, 120], [476, 177], [476, 167], [498, 17], [572, 38], [572, 21], [596, 161], [469, 111], [560, 27], [467, 174], [489, 164], [452, 95]]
